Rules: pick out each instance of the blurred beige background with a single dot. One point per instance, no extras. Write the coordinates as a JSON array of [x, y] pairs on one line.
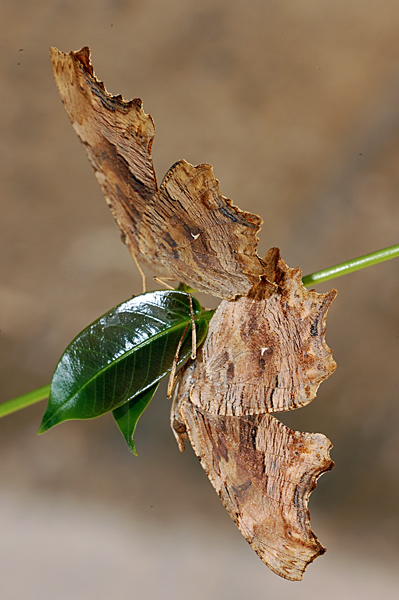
[[296, 106]]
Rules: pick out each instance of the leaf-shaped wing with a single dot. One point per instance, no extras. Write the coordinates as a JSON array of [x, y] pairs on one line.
[[263, 473], [187, 229], [200, 235], [265, 352], [117, 136]]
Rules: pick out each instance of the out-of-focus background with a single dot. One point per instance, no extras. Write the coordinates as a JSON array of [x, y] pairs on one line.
[[296, 106]]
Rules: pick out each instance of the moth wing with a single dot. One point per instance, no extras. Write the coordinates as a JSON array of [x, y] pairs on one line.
[[265, 352], [201, 237], [187, 229], [117, 136], [264, 473]]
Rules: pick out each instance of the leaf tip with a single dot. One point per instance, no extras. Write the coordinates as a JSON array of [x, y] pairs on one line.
[[133, 449], [48, 421], [43, 428], [132, 446]]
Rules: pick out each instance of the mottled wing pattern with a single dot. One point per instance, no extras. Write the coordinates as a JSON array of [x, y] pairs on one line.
[[204, 240], [264, 473], [117, 136], [265, 352], [187, 229]]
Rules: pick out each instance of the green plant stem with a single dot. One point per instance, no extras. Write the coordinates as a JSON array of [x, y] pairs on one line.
[[11, 406], [367, 260]]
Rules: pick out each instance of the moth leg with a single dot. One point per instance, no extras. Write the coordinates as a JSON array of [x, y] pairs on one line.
[[193, 330], [143, 280], [172, 376], [163, 280], [178, 428]]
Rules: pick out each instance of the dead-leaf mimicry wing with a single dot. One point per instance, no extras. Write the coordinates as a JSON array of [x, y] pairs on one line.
[[117, 136], [266, 351], [200, 235], [187, 229], [264, 473]]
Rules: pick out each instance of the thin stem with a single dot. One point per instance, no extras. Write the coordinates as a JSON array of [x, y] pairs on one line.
[[11, 406], [367, 260]]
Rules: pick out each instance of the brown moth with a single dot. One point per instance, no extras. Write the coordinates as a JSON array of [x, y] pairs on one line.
[[185, 228], [265, 352]]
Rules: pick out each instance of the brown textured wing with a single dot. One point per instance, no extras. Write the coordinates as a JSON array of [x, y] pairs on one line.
[[265, 352], [264, 474], [199, 235], [187, 229], [117, 136]]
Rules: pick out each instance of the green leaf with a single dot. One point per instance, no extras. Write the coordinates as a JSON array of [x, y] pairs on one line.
[[127, 415], [121, 355]]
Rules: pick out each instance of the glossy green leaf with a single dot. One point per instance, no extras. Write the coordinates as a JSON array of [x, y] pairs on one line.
[[127, 415], [122, 354]]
